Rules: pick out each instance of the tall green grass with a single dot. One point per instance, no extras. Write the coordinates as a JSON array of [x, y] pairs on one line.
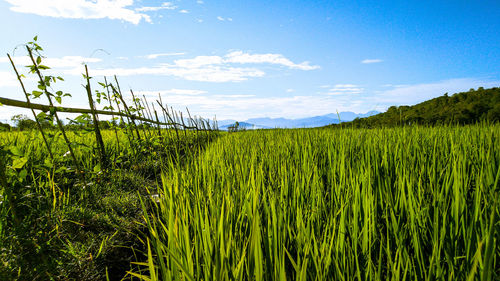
[[353, 204], [56, 226]]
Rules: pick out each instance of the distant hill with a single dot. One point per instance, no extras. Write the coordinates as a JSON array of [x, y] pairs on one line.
[[460, 108], [309, 122], [243, 126]]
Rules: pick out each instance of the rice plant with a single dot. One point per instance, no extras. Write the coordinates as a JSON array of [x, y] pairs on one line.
[[384, 204]]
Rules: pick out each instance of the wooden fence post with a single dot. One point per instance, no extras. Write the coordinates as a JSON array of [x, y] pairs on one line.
[[100, 143], [112, 115]]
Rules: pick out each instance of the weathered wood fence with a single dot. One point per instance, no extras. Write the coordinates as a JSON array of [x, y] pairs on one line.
[[141, 111]]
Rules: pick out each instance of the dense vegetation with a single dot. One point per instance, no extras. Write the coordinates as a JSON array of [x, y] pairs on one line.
[[139, 202], [461, 108], [387, 204], [57, 225]]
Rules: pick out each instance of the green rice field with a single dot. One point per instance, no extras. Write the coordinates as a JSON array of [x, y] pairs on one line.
[[407, 203]]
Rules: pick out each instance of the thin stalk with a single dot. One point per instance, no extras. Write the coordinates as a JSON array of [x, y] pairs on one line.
[[31, 108], [59, 123]]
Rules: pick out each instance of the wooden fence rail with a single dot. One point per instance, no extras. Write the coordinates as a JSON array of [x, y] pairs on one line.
[[48, 108], [141, 108]]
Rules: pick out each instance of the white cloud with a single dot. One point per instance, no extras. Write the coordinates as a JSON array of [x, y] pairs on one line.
[[242, 107], [199, 68], [80, 9], [368, 61], [240, 57], [233, 96], [346, 86], [164, 6], [199, 2], [155, 56], [224, 19], [211, 68], [63, 62], [204, 74], [184, 11], [290, 90], [199, 20], [199, 61], [345, 89], [8, 79], [181, 92]]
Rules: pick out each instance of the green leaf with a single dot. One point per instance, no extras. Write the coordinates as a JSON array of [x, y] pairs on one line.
[[16, 151], [36, 94], [41, 116], [35, 38], [58, 99], [19, 163], [38, 60], [23, 173], [43, 67]]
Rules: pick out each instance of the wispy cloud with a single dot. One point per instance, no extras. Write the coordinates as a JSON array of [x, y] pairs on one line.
[[368, 61], [63, 62], [290, 90], [233, 96], [345, 89], [228, 68], [199, 61], [204, 74], [224, 19], [164, 6], [212, 68], [184, 11], [181, 92], [8, 79], [82, 9], [155, 56], [242, 107], [241, 57]]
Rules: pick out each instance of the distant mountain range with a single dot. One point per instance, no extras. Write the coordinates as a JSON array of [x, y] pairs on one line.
[[309, 122]]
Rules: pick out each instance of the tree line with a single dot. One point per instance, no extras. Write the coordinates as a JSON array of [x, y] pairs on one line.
[[460, 108], [22, 122]]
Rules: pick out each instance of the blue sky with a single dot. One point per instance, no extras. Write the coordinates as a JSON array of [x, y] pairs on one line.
[[244, 59]]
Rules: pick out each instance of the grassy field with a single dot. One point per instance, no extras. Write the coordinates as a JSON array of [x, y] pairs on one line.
[[409, 203]]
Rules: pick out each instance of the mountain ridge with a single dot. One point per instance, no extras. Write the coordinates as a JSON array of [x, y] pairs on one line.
[[307, 122]]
